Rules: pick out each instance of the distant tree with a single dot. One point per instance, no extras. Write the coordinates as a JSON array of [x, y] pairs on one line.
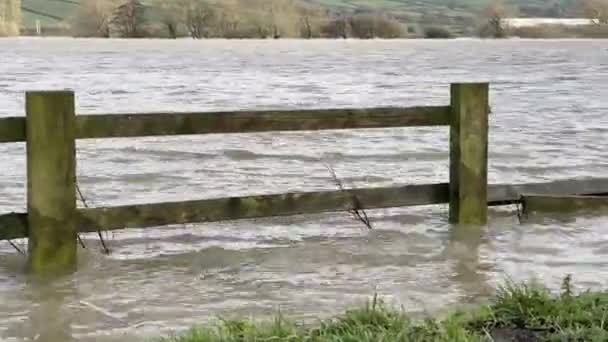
[[275, 30], [255, 20], [171, 16], [362, 26], [437, 32], [335, 28], [596, 10], [129, 18], [367, 26], [229, 20], [493, 18], [554, 10], [92, 18], [306, 30], [283, 17], [309, 25], [199, 16], [226, 18], [388, 27]]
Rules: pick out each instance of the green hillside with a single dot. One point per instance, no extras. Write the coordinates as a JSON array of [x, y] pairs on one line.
[[528, 7], [458, 14], [49, 12]]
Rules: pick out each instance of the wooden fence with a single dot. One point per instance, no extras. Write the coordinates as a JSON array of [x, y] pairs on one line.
[[51, 127]]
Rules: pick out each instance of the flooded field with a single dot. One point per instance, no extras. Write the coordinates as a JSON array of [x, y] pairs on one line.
[[549, 121]]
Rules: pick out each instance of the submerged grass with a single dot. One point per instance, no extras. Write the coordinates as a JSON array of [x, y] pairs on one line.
[[519, 312]]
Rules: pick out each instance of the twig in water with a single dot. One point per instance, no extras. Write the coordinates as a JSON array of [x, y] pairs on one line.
[[16, 247], [520, 211], [357, 211], [106, 250], [101, 310]]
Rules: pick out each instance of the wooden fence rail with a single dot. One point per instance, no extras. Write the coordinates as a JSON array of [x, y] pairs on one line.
[[51, 127], [12, 129], [14, 225], [563, 204]]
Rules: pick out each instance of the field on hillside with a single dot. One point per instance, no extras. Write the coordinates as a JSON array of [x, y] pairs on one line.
[[49, 12]]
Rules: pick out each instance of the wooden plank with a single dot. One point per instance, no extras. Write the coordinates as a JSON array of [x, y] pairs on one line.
[[563, 203], [469, 153], [51, 176], [12, 129], [139, 125], [14, 226], [511, 193], [236, 208]]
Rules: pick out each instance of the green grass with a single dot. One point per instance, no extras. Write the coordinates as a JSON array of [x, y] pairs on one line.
[[519, 312]]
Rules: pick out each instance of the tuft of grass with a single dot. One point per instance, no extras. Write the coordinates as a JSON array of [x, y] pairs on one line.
[[519, 312]]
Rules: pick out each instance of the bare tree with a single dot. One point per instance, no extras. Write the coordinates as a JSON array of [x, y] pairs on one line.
[[171, 16], [335, 28], [494, 20], [198, 18], [129, 18], [216, 18], [386, 27], [92, 18], [309, 22], [274, 11], [368, 26], [274, 27], [282, 18], [362, 26], [256, 18], [228, 20], [241, 18], [306, 30]]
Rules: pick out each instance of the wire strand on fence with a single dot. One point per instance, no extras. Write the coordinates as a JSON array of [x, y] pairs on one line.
[[357, 210], [106, 250]]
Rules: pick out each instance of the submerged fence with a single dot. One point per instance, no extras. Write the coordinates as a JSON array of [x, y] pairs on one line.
[[51, 127]]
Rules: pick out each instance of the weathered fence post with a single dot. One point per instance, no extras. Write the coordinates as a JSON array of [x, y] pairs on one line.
[[469, 153], [51, 195]]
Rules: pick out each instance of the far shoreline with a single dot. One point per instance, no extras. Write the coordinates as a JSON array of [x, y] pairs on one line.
[[216, 39]]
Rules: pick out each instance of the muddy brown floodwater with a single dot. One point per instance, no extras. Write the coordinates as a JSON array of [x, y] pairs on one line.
[[549, 122]]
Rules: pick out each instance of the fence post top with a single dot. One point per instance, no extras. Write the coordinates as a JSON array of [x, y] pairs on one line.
[[50, 92], [469, 83]]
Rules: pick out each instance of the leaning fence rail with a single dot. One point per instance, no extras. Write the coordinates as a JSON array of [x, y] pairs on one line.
[[14, 225]]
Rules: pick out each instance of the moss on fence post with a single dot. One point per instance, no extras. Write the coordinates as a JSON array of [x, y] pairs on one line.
[[51, 195], [469, 153]]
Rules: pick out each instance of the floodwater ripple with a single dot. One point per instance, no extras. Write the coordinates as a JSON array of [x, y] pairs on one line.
[[549, 121]]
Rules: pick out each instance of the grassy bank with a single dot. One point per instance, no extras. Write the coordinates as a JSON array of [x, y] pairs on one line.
[[518, 313]]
